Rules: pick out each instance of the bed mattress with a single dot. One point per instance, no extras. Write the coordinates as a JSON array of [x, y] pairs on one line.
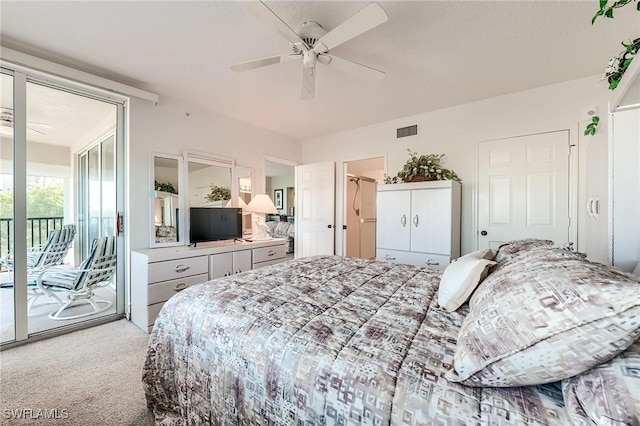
[[324, 340]]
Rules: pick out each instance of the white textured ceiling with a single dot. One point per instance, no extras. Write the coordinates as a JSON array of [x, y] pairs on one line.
[[436, 53]]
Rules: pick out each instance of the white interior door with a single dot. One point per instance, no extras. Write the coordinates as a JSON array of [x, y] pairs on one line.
[[523, 189], [315, 211]]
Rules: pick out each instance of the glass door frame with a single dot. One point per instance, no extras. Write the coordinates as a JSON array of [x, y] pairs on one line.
[[21, 76]]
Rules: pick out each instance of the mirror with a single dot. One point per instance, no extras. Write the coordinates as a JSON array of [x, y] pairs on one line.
[[165, 201], [208, 181], [244, 176]]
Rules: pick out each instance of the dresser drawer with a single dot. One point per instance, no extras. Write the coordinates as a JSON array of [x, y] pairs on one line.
[[172, 269], [159, 292], [434, 261], [267, 263], [269, 253]]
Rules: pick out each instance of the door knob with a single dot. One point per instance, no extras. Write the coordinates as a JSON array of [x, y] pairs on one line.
[[483, 233]]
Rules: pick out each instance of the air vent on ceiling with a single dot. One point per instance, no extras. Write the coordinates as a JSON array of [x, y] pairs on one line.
[[403, 132]]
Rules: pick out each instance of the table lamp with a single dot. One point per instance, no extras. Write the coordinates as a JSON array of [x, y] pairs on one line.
[[261, 204]]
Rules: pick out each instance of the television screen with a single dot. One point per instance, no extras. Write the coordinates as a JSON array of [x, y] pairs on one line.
[[215, 223]]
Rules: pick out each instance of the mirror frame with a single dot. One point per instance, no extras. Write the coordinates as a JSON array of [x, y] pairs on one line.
[[241, 171], [153, 195], [212, 160]]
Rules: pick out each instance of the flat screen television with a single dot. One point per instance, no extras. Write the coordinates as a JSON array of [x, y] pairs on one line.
[[215, 223]]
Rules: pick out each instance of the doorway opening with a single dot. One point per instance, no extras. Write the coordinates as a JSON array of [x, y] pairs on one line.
[[361, 178], [280, 186]]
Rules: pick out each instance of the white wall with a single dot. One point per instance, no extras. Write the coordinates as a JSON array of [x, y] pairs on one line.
[[166, 128], [456, 132]]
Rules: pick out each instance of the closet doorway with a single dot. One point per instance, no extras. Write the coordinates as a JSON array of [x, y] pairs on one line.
[[361, 179]]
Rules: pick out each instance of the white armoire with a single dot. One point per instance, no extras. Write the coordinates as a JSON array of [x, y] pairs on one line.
[[419, 223]]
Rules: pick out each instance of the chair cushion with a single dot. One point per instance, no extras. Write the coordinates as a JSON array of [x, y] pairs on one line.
[[550, 315], [608, 394]]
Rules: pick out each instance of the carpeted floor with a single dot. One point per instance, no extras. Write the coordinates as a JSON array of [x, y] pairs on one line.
[[90, 377]]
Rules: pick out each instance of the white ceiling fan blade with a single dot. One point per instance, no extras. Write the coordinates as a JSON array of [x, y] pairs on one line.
[[366, 19], [353, 68], [269, 18], [245, 66], [41, 125], [308, 89], [35, 131]]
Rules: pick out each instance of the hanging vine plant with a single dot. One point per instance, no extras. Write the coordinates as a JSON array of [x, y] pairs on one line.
[[592, 127], [619, 64]]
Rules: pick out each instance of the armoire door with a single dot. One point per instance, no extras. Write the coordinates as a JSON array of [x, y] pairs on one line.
[[393, 221], [431, 220]]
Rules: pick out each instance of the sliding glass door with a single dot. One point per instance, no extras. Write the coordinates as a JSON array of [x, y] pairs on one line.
[[62, 170], [96, 192], [7, 239]]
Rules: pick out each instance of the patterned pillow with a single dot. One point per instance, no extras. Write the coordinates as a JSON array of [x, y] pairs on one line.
[[505, 254], [282, 228], [165, 231], [552, 315], [512, 249], [608, 394]]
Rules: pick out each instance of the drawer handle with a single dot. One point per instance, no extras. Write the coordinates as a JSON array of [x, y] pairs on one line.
[[271, 253], [431, 262], [238, 271], [182, 268], [180, 287], [227, 274], [389, 257]]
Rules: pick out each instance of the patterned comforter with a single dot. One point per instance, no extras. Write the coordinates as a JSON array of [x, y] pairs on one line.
[[322, 341]]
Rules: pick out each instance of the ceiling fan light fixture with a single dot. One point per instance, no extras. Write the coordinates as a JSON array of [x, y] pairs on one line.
[[309, 59], [310, 42]]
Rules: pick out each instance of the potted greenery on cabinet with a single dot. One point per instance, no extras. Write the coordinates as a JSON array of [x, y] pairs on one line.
[[419, 168]]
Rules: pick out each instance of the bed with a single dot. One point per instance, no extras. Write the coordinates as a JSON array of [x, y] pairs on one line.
[[332, 340]]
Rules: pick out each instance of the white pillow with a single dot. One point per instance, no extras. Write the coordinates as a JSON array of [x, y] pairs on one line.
[[481, 254], [459, 280]]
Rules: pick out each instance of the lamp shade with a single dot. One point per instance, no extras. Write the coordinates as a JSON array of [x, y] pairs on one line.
[[261, 203], [241, 203]]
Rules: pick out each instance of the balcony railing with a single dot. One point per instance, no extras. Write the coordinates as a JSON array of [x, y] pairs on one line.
[[37, 232]]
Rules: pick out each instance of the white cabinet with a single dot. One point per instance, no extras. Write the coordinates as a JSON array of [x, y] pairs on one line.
[[419, 223], [157, 274], [225, 264], [153, 283]]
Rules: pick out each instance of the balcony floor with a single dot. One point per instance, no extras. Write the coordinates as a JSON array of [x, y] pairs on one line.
[[40, 321]]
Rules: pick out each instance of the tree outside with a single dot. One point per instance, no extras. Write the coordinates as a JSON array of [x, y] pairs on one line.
[[43, 201]]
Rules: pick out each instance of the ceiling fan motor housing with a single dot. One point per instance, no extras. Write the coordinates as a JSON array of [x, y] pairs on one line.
[[310, 32]]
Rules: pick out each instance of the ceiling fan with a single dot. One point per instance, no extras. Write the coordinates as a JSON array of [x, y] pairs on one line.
[[312, 43], [6, 123]]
